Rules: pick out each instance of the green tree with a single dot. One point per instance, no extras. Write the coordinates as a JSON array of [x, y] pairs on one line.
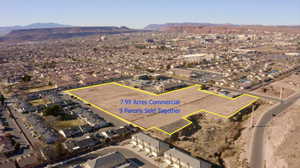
[[59, 148], [26, 78], [140, 46], [57, 111], [53, 110], [2, 98]]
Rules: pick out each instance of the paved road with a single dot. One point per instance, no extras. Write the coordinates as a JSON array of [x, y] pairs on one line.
[[257, 153], [17, 117], [14, 130]]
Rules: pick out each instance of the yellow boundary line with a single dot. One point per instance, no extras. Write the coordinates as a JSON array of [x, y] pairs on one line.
[[154, 94]]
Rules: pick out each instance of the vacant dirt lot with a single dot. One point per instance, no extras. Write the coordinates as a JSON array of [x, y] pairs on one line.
[[108, 97], [290, 85], [223, 142]]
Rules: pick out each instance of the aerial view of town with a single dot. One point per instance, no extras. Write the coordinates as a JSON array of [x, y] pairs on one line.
[[150, 84]]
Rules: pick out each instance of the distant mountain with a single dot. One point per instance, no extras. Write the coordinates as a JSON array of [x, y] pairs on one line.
[[8, 29], [44, 25], [167, 25], [62, 33], [221, 28]]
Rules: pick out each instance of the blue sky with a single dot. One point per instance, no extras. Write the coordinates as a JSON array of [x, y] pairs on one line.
[[138, 13]]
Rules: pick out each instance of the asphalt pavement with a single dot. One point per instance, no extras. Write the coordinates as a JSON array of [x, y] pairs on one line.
[[257, 148], [15, 131]]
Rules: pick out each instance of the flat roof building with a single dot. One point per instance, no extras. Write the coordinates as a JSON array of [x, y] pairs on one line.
[[111, 160], [177, 158], [149, 144]]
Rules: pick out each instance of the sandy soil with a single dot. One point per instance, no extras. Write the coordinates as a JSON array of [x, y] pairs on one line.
[[282, 142], [244, 140], [109, 97], [240, 159], [222, 141], [290, 85]]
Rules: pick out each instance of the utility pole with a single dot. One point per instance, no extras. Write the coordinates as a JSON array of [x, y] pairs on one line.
[[252, 118], [281, 93]]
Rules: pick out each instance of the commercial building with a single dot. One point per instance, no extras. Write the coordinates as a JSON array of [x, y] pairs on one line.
[[187, 73], [197, 58]]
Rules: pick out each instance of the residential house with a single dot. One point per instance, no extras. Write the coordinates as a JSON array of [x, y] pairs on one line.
[[86, 128], [71, 132], [179, 159], [111, 160], [119, 133], [81, 145], [6, 146], [47, 134], [26, 107], [149, 144], [28, 160], [90, 118], [8, 163]]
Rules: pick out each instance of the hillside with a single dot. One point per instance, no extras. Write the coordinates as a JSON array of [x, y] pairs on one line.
[[220, 28], [7, 29], [232, 29], [61, 33], [167, 25], [282, 139]]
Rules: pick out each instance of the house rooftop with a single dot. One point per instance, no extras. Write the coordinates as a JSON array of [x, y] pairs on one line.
[[154, 142], [192, 161], [110, 160]]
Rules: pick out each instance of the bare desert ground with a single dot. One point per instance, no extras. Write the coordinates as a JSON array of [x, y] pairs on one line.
[[282, 142], [290, 85], [108, 97]]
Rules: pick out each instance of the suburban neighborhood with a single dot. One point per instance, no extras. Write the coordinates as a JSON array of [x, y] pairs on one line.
[[112, 90]]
